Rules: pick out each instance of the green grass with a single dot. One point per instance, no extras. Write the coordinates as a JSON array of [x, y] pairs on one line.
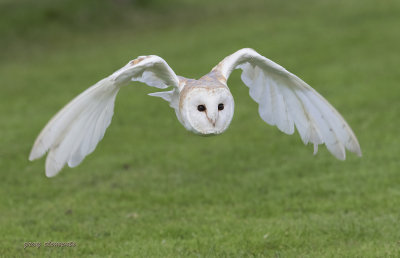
[[152, 189]]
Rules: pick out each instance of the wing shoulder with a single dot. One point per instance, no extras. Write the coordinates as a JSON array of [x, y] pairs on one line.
[[152, 70]]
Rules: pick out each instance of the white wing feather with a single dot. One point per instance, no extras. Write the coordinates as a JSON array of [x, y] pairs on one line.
[[287, 101], [75, 130]]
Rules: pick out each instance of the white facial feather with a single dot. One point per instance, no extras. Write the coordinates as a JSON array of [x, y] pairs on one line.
[[211, 120], [203, 106]]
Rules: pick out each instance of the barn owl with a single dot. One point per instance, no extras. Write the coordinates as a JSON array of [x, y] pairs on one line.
[[204, 106]]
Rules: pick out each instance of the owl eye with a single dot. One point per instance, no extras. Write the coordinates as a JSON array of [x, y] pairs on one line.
[[201, 108], [221, 106]]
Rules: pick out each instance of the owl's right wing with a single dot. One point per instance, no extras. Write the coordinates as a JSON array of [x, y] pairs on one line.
[[287, 101], [76, 129]]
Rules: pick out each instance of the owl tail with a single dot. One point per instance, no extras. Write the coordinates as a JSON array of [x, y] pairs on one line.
[[165, 95], [170, 96]]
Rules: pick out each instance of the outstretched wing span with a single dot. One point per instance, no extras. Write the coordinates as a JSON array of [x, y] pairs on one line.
[[287, 101], [75, 130]]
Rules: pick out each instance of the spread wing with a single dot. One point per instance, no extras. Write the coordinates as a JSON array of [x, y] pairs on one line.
[[76, 129], [287, 101]]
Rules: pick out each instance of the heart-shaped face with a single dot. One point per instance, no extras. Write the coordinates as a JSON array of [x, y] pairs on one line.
[[207, 110]]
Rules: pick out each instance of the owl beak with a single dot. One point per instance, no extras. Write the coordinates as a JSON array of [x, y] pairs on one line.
[[212, 117]]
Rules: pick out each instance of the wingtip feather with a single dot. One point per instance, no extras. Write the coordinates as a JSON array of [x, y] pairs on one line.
[[36, 153], [52, 166], [315, 149], [357, 151], [32, 157]]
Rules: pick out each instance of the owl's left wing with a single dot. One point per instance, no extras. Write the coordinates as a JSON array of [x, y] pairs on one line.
[[287, 101]]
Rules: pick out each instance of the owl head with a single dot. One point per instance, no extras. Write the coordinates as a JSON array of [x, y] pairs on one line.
[[206, 110]]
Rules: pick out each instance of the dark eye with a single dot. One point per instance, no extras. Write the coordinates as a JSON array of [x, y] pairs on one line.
[[221, 106], [201, 108]]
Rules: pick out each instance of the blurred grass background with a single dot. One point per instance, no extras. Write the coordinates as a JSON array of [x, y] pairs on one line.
[[152, 189]]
